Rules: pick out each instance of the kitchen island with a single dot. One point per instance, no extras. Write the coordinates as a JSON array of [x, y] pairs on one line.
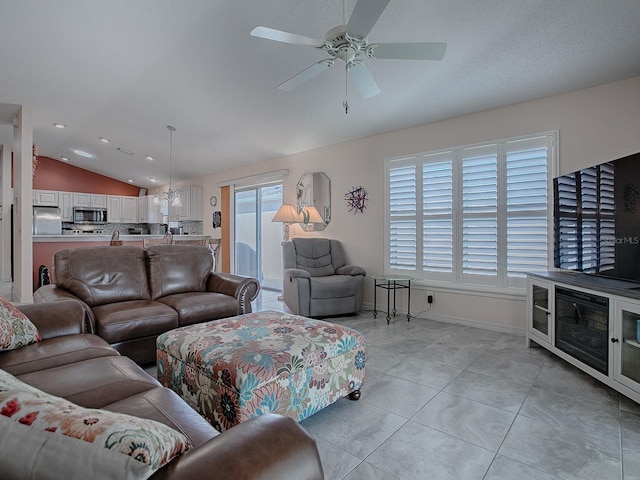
[[45, 246]]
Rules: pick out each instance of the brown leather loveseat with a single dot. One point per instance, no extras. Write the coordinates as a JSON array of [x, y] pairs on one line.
[[131, 295], [83, 369]]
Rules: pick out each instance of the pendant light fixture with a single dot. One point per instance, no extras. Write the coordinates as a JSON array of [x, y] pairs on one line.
[[172, 196]]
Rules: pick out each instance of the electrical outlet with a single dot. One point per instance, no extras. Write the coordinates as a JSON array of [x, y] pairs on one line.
[[430, 296]]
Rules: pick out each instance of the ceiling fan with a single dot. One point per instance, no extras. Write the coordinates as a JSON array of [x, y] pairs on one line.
[[349, 43]]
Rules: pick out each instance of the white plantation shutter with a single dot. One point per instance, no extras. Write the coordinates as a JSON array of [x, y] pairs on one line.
[[402, 218], [480, 214], [527, 206], [476, 215], [437, 215]]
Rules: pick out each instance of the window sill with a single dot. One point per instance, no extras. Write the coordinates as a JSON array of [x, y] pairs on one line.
[[476, 290]]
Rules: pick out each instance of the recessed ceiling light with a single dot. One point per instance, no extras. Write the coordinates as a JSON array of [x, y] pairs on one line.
[[64, 159], [104, 140], [149, 157], [59, 125], [82, 153]]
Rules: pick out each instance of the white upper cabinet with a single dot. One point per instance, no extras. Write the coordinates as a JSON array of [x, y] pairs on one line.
[[66, 206], [148, 212], [191, 209], [45, 198], [89, 200], [122, 209]]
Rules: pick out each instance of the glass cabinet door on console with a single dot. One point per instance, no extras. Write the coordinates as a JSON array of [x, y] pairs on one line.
[[626, 345], [541, 305]]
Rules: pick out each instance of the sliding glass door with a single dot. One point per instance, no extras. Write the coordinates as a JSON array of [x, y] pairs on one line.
[[257, 247]]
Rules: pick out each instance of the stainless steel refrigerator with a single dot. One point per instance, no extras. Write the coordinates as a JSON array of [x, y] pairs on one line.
[[47, 221]]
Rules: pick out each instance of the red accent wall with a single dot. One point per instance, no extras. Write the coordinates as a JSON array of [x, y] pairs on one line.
[[57, 175]]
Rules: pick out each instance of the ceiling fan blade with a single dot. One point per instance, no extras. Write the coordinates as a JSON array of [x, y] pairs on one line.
[[285, 37], [409, 51], [364, 16], [305, 75], [364, 81]]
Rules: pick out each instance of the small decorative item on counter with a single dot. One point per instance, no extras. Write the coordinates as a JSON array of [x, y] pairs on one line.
[[115, 239]]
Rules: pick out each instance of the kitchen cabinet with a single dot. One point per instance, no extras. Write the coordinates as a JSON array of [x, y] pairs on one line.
[[66, 206], [191, 208], [122, 209], [89, 200], [45, 198], [148, 212], [129, 209]]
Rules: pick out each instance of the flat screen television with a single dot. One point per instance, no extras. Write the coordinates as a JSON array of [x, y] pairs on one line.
[[597, 219]]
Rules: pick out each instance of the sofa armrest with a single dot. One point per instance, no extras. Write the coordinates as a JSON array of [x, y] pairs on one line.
[[351, 270], [266, 447], [296, 273], [244, 289], [55, 319], [52, 293]]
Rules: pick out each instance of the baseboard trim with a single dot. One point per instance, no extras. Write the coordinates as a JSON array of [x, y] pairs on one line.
[[457, 321]]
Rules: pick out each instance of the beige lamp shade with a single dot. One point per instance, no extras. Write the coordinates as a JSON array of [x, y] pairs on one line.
[[310, 214], [287, 213]]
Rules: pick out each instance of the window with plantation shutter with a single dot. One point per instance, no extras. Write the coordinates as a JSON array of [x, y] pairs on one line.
[[476, 215]]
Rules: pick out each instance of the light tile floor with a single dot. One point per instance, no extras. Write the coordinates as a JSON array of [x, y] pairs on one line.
[[444, 401]]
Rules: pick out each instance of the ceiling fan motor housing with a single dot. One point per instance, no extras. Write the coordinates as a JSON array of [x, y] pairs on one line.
[[339, 44]]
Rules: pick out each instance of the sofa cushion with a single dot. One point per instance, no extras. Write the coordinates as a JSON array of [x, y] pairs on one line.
[[29, 453], [165, 406], [147, 441], [16, 330], [116, 322], [196, 307], [334, 286], [178, 269], [102, 275], [93, 383], [54, 352], [314, 256]]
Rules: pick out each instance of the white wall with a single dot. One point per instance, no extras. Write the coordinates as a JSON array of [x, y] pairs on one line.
[[596, 125]]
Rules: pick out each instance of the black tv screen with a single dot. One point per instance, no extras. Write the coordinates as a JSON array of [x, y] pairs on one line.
[[597, 219]]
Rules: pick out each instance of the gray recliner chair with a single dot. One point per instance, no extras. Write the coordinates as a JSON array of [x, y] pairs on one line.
[[317, 282]]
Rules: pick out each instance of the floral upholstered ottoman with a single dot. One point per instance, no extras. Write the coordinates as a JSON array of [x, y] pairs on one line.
[[237, 368]]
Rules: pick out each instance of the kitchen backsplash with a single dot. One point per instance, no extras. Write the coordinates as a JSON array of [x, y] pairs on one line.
[[190, 228]]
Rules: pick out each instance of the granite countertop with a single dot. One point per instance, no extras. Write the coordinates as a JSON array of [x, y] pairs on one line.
[[87, 237]]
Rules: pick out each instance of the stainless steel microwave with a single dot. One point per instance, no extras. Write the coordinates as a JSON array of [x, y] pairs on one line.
[[89, 215]]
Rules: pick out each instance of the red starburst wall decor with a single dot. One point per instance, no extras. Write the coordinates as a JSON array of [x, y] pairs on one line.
[[356, 199]]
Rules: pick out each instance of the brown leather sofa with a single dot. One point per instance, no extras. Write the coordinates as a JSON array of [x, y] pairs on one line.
[[85, 370], [131, 295]]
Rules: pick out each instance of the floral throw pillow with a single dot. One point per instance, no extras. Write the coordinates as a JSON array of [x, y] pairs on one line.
[[16, 330], [146, 441]]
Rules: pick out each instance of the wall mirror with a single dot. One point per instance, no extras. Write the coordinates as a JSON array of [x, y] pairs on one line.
[[314, 190]]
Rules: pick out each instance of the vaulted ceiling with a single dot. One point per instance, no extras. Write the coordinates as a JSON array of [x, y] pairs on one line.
[[124, 70]]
